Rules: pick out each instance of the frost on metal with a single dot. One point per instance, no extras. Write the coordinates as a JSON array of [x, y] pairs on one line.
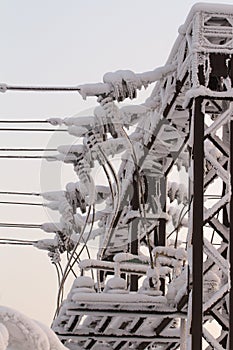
[[138, 287]]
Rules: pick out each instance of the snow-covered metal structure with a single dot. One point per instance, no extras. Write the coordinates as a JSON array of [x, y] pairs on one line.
[[161, 278]]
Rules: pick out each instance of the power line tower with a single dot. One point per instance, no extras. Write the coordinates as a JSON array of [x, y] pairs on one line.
[[188, 124], [170, 289]]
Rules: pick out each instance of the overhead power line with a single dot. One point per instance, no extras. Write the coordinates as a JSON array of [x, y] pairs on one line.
[[22, 203], [14, 225], [27, 157], [5, 87], [20, 193], [28, 149], [33, 129], [10, 121]]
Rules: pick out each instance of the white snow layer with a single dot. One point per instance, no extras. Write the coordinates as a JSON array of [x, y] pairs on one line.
[[24, 333], [4, 337]]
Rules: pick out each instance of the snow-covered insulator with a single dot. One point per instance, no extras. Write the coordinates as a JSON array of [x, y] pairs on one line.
[[55, 257], [64, 241], [147, 126], [68, 158], [79, 126], [151, 283], [87, 122], [170, 257], [55, 121], [112, 147], [173, 188], [177, 288], [82, 284], [62, 235], [46, 244], [116, 285], [74, 149], [93, 145], [104, 121], [130, 115], [102, 193], [124, 82], [51, 227], [53, 196], [83, 169], [66, 210], [77, 131], [112, 121], [76, 196], [54, 205], [92, 138]]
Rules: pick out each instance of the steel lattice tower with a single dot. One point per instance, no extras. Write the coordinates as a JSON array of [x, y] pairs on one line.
[[194, 102], [177, 295]]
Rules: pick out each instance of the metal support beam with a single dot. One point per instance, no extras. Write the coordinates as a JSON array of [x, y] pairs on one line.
[[231, 239], [197, 231]]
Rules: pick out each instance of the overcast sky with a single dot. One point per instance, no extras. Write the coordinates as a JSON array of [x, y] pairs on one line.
[[69, 42]]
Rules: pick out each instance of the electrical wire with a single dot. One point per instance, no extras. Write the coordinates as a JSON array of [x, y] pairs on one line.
[[58, 273], [16, 243], [140, 195], [28, 149], [181, 218], [20, 193], [28, 157], [10, 121], [85, 243], [13, 225], [12, 241], [22, 203], [109, 182], [116, 209], [66, 270], [6, 87], [17, 240], [33, 129]]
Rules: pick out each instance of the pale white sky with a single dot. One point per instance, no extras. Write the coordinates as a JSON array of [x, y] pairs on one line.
[[55, 42]]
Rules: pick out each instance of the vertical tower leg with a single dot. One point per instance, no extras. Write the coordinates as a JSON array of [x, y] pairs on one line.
[[231, 240], [197, 229]]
